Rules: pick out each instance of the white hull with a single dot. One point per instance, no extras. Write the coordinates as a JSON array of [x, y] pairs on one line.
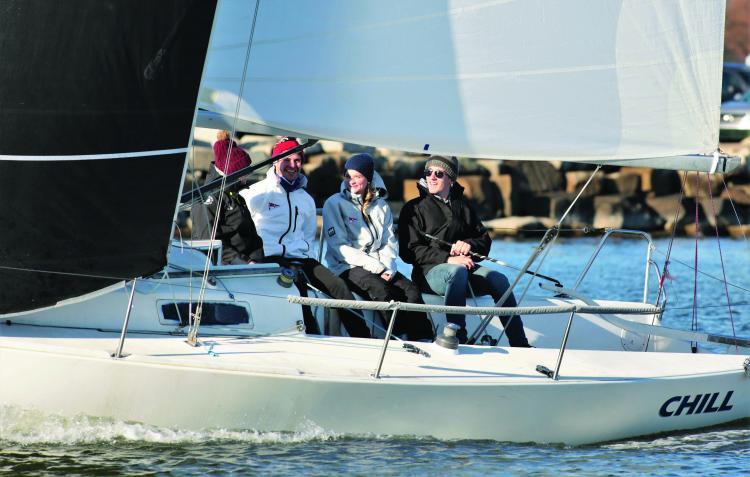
[[59, 361], [286, 383]]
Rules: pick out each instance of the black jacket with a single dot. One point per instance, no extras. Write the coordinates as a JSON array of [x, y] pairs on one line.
[[236, 230], [430, 214]]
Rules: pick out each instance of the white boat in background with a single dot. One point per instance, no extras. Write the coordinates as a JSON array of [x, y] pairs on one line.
[[468, 78]]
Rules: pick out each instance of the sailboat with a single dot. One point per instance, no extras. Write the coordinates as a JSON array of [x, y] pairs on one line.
[[99, 305]]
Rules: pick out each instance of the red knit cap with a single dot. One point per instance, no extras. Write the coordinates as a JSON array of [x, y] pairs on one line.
[[284, 144], [229, 162]]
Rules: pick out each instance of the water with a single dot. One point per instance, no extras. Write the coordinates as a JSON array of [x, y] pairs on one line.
[[35, 444]]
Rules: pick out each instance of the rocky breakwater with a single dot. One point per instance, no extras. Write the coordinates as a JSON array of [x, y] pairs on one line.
[[525, 198]]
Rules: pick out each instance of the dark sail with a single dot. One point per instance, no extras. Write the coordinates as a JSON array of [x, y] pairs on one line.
[[96, 103]]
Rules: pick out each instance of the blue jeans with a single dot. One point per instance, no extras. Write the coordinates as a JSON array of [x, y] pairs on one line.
[[452, 281]]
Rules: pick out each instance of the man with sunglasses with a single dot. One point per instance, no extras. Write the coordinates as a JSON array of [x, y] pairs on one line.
[[441, 210]]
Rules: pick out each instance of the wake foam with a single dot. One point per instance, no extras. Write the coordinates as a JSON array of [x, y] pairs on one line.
[[25, 427], [724, 439]]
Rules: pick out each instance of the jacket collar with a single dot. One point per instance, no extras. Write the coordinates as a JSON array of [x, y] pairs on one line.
[[271, 175], [456, 192]]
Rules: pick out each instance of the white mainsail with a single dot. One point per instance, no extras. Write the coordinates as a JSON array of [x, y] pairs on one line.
[[603, 81]]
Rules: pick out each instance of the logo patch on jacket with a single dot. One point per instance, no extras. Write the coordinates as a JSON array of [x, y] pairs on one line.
[[331, 231], [352, 220], [272, 206]]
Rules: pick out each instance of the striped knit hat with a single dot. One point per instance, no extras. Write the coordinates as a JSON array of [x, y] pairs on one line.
[[450, 164]]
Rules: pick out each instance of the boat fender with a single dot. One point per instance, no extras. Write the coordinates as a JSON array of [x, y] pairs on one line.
[[746, 365]]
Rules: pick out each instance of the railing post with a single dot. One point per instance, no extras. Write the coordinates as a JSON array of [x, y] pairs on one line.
[[387, 338], [563, 345], [118, 353]]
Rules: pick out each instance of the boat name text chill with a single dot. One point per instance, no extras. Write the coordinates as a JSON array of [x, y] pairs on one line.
[[696, 405]]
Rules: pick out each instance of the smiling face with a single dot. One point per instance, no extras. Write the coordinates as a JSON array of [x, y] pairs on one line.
[[437, 185], [289, 167], [356, 182]]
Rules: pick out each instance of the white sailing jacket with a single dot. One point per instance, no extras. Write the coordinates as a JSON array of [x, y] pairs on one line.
[[351, 241], [286, 221]]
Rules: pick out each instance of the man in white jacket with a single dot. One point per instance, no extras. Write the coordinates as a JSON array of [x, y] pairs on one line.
[[285, 218]]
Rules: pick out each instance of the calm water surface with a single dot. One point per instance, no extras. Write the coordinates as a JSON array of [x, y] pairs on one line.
[[34, 444]]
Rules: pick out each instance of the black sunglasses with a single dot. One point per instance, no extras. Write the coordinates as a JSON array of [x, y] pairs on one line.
[[438, 174]]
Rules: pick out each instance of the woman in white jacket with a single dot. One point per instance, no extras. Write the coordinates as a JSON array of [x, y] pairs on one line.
[[362, 248]]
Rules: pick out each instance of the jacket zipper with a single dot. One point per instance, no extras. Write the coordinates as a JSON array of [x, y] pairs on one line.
[[289, 203], [296, 214], [372, 234]]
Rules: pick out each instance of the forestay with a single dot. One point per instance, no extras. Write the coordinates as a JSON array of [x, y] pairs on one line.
[[615, 81]]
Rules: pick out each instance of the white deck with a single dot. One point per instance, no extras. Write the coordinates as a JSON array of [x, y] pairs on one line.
[[354, 358]]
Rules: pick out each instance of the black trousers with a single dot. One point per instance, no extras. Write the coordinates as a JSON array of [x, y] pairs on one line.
[[415, 325], [324, 280]]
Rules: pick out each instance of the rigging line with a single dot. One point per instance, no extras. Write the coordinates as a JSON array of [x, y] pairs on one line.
[[193, 335], [694, 323], [493, 260], [734, 209], [535, 273], [238, 292], [174, 297], [585, 229], [720, 305], [721, 256], [71, 274], [544, 247], [264, 295], [192, 237], [528, 285], [706, 274], [570, 207], [665, 268], [165, 275]]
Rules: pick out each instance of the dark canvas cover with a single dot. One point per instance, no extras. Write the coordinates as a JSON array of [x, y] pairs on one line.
[[92, 92]]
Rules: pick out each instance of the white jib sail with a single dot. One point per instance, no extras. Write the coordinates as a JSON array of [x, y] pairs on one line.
[[604, 81]]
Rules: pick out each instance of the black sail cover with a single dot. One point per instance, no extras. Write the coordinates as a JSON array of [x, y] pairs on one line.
[[96, 104]]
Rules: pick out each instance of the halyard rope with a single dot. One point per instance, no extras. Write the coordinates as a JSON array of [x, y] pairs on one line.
[[193, 334]]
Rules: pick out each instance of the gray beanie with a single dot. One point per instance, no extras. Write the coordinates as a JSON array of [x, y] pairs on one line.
[[450, 164]]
